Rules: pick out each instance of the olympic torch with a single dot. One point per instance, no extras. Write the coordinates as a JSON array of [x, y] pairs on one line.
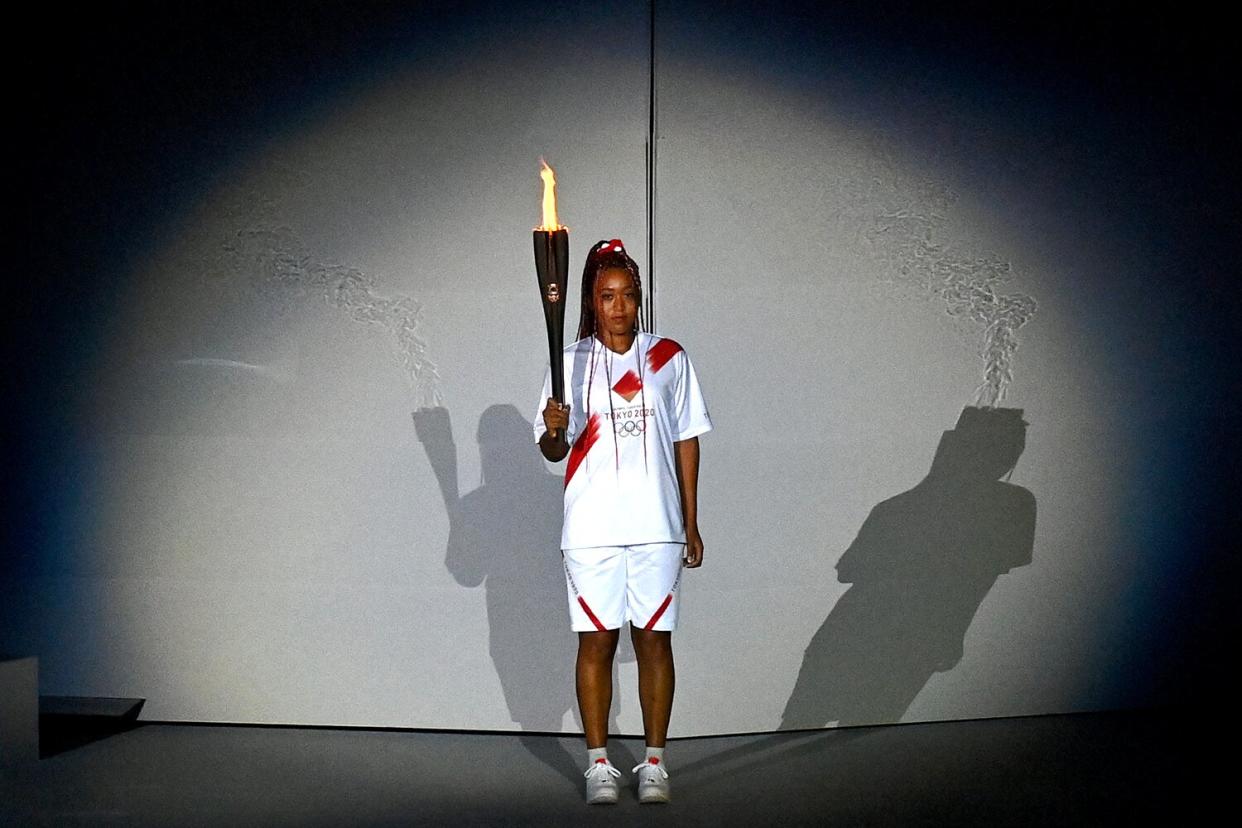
[[552, 268]]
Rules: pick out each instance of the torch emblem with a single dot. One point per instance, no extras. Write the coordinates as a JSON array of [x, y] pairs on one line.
[[553, 294]]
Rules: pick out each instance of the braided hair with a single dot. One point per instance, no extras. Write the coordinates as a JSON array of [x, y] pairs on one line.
[[604, 255]]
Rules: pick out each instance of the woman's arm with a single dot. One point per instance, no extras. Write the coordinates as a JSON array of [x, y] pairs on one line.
[[687, 456]]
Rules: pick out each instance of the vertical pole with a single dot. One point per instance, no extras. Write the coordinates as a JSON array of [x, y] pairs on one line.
[[650, 321]]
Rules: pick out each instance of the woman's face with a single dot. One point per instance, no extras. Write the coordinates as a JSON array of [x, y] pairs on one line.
[[616, 302]]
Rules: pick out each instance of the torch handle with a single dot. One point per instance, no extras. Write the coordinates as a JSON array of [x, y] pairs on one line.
[[556, 361]]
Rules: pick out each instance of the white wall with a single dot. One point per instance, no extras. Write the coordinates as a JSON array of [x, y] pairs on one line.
[[267, 539], [837, 244], [341, 335]]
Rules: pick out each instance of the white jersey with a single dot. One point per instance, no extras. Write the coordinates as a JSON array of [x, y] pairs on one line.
[[626, 412]]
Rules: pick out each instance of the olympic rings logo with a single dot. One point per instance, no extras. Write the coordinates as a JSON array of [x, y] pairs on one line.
[[630, 428]]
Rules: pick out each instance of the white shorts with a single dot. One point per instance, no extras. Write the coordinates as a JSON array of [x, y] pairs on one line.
[[609, 585]]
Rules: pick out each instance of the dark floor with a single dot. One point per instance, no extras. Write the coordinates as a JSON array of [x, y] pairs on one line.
[[1093, 769]]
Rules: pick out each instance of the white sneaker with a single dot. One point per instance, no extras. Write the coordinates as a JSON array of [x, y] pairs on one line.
[[601, 783], [652, 782]]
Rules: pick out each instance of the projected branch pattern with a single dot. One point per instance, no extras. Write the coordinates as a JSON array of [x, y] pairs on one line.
[[901, 229], [282, 270]]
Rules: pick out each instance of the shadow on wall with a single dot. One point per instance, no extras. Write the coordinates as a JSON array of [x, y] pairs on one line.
[[919, 569], [506, 536]]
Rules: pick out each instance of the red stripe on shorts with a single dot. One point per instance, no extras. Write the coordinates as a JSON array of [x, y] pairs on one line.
[[591, 615], [659, 612]]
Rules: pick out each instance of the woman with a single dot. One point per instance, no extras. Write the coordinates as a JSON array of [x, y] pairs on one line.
[[631, 510]]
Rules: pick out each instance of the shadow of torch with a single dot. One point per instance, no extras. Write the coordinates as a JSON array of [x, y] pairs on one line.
[[552, 268]]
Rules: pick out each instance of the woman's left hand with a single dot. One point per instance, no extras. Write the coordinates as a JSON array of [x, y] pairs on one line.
[[694, 547]]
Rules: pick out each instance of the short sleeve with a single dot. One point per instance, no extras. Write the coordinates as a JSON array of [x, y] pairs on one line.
[[692, 417]]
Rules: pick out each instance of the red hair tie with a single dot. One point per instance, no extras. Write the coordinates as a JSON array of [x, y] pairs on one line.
[[615, 244]]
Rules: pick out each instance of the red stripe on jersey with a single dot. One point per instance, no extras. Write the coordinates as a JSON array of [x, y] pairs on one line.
[[661, 353], [590, 614], [667, 600], [581, 446]]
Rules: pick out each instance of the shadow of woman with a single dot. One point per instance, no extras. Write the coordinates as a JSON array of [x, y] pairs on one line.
[[919, 569], [506, 536]]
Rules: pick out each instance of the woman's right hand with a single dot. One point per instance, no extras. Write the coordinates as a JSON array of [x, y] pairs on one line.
[[556, 418]]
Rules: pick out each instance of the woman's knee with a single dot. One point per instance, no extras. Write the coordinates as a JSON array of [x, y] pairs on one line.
[[600, 645], [656, 643]]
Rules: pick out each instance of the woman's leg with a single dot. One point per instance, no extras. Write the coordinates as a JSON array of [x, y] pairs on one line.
[[654, 649], [594, 681]]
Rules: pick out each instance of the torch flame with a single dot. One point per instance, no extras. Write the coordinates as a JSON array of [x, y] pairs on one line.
[[549, 198]]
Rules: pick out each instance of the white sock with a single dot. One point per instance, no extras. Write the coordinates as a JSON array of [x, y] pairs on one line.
[[596, 754], [656, 753]]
